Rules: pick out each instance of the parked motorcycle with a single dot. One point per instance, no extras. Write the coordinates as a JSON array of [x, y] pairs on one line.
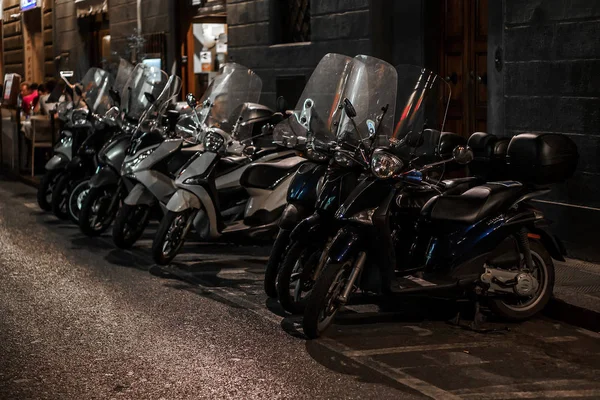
[[345, 137], [234, 188], [91, 134], [488, 242], [107, 188]]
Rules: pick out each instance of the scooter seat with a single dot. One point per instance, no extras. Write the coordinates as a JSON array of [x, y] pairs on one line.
[[475, 204], [267, 174]]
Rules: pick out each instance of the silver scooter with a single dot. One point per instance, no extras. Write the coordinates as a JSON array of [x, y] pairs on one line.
[[231, 188]]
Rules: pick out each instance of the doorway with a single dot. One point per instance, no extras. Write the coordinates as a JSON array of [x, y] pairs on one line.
[[463, 63]]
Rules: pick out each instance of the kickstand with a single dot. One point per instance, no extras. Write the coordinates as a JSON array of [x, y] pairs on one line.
[[478, 321]]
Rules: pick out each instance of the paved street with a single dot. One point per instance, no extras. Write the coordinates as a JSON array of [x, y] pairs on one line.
[[82, 320]]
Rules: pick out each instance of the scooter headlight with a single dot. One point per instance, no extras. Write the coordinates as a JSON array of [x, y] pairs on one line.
[[213, 142], [129, 166], [385, 165]]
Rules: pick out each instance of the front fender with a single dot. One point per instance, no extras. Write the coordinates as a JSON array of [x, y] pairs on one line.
[[183, 200], [139, 195], [306, 227], [105, 177], [347, 243], [292, 215], [58, 161]]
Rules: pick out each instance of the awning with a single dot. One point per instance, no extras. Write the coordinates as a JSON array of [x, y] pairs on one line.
[[85, 8]]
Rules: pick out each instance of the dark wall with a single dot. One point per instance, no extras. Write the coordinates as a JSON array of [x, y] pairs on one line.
[[552, 84], [68, 40], [337, 26]]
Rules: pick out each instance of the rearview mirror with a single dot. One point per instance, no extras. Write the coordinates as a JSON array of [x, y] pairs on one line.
[[172, 119], [150, 97], [281, 105], [463, 154], [191, 100], [349, 108]]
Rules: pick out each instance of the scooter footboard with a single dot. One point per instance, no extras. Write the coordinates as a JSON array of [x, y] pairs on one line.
[[139, 195]]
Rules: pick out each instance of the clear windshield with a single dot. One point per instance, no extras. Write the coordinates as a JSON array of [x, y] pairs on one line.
[[95, 85], [232, 86], [124, 71], [422, 103], [370, 88], [144, 79]]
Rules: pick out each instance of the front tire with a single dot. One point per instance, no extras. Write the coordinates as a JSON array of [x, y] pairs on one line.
[[45, 188], [295, 278], [273, 265], [544, 273], [130, 223], [60, 197], [170, 235], [76, 198], [322, 305], [95, 216]]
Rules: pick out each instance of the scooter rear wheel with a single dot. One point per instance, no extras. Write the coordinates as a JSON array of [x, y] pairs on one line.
[[95, 216], [130, 223]]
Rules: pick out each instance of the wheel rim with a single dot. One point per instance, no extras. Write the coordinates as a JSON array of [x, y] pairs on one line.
[[77, 197], [331, 307], [540, 273], [300, 279], [98, 213], [175, 235]]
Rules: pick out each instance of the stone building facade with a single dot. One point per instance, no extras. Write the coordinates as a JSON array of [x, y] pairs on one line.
[[543, 58]]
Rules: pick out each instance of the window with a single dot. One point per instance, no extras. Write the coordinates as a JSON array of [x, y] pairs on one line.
[[292, 21]]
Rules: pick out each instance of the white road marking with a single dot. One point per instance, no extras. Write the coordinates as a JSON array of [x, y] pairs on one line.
[[526, 386], [31, 206], [559, 339], [412, 349], [543, 394], [398, 375]]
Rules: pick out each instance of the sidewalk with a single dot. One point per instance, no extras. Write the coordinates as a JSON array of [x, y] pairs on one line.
[[576, 294]]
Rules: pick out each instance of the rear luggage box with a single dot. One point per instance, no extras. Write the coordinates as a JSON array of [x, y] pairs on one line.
[[542, 158]]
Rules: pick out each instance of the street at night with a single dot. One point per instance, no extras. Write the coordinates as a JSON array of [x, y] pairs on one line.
[[80, 319]]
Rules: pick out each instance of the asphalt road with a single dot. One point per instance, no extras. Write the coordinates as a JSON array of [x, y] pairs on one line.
[[82, 320]]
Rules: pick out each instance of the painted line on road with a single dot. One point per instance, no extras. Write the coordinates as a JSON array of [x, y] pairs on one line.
[[559, 339], [397, 375], [543, 394], [412, 349], [526, 386]]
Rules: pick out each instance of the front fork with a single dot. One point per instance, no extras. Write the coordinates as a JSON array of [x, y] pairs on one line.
[[356, 270]]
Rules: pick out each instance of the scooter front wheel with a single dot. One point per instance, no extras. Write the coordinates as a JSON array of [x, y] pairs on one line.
[[47, 185], [322, 305], [170, 235], [76, 198], [274, 264], [130, 223], [60, 196], [96, 213]]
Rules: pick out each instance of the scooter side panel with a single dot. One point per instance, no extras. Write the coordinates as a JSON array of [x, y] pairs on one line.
[[139, 195], [160, 185], [167, 147], [200, 166], [268, 200]]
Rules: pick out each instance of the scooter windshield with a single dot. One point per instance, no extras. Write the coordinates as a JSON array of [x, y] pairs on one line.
[[145, 81], [123, 75], [233, 85], [95, 85], [369, 88], [422, 104]]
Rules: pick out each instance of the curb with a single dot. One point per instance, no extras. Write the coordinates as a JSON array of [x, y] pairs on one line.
[[582, 317], [17, 177]]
